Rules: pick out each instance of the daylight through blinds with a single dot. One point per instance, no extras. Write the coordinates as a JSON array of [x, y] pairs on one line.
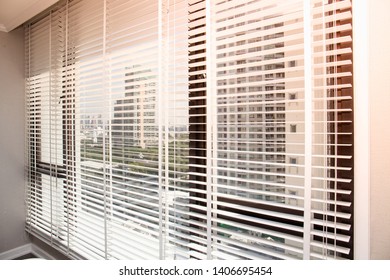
[[191, 129]]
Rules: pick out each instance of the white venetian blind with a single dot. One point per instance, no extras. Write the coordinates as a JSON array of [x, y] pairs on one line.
[[191, 129], [45, 119], [257, 190], [332, 186], [273, 127]]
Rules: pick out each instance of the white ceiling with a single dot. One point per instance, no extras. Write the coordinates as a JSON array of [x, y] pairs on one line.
[[15, 12]]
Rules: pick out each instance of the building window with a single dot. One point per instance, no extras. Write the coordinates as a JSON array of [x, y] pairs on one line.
[[292, 96], [293, 128], [293, 160]]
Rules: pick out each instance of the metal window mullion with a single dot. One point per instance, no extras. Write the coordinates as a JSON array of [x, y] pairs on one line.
[[159, 100], [210, 125], [50, 132], [106, 93], [336, 112], [166, 55], [308, 51], [28, 195], [65, 140], [325, 116]]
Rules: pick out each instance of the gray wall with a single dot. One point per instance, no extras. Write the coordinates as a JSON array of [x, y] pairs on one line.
[[12, 125], [12, 209]]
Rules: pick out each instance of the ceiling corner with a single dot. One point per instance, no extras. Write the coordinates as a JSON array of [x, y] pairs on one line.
[[19, 16], [2, 28]]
